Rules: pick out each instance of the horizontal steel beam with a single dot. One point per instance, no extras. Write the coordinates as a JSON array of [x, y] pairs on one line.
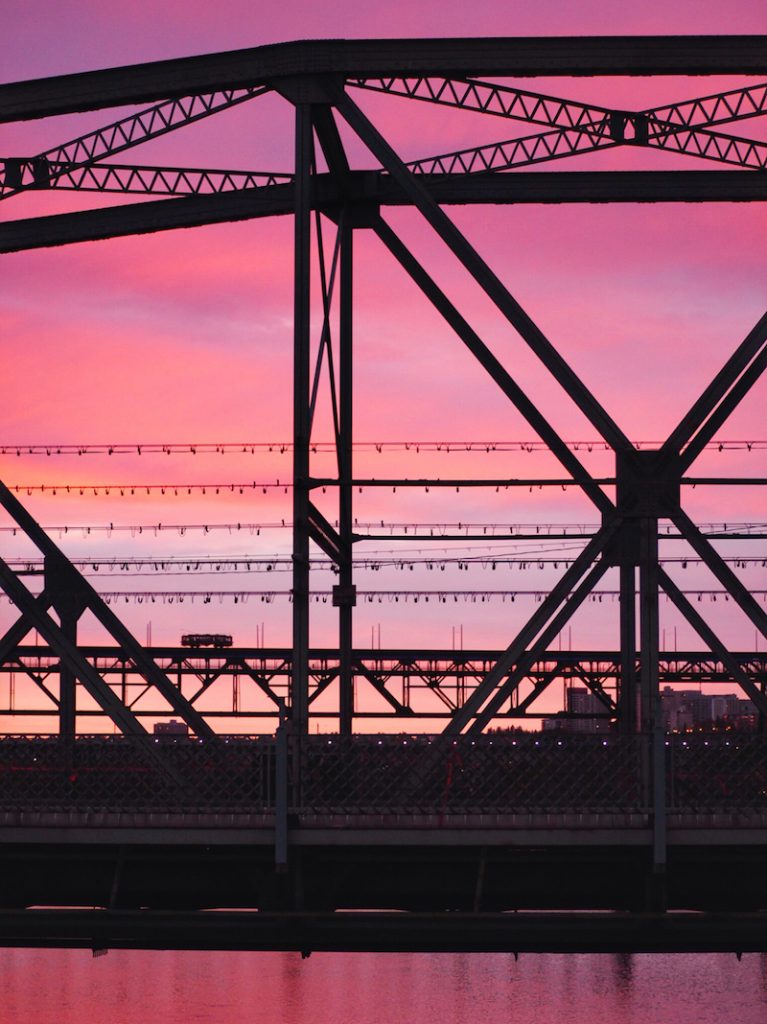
[[518, 57], [406, 658], [369, 188], [144, 218], [366, 931]]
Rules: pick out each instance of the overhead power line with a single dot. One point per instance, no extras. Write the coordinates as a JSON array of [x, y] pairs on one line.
[[284, 447]]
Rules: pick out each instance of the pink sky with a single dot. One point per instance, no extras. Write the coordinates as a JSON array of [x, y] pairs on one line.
[[186, 336]]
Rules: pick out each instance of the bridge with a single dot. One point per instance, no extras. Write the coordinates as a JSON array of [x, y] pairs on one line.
[[513, 841], [428, 809]]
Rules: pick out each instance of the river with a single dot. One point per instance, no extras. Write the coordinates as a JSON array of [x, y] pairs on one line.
[[136, 987]]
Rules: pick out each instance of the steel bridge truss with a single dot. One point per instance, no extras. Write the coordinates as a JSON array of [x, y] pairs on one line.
[[319, 82], [251, 686]]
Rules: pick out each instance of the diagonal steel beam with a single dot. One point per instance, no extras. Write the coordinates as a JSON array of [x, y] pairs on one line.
[[16, 633], [538, 108], [489, 98], [538, 688], [718, 388], [712, 641], [512, 153], [716, 108], [104, 614], [571, 604], [331, 143], [362, 670], [582, 127], [104, 696], [724, 410], [703, 547], [322, 685], [327, 287], [324, 535], [142, 179], [567, 142], [708, 145], [497, 371], [42, 170], [538, 620], [482, 274]]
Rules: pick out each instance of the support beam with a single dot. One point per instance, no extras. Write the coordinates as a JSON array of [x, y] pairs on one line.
[[43, 170], [16, 633], [144, 218], [538, 620], [488, 57], [571, 604], [68, 684], [703, 547], [724, 410], [369, 187], [495, 369], [76, 664], [652, 713], [362, 670], [627, 693], [716, 391], [483, 275], [346, 588], [56, 561], [323, 534], [301, 418], [712, 641], [330, 140]]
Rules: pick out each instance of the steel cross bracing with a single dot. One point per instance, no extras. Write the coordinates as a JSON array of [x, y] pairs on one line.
[[46, 169], [252, 684], [648, 482], [171, 181], [580, 128]]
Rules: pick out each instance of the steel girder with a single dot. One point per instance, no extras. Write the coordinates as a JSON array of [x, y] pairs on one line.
[[371, 58], [365, 190], [416, 685], [684, 127]]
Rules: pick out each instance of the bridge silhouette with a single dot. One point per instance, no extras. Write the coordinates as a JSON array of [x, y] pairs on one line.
[[249, 831]]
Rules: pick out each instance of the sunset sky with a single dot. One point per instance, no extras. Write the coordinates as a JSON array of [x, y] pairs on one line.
[[185, 336]]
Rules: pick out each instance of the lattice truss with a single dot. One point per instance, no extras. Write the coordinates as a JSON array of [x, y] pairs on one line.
[[323, 96]]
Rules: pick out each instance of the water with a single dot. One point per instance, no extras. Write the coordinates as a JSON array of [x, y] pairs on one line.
[[135, 987]]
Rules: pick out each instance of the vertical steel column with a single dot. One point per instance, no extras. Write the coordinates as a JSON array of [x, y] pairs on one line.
[[301, 419], [627, 697], [652, 715], [281, 755], [345, 470], [68, 681]]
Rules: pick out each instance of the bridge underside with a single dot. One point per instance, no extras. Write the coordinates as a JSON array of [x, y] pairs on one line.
[[586, 892]]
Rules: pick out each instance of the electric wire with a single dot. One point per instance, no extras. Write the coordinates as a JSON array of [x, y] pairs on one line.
[[317, 447]]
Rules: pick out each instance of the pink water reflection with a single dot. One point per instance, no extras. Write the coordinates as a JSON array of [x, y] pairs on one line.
[[70, 987]]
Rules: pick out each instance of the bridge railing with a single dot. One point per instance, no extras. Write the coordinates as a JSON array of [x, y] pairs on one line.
[[716, 772], [118, 773], [461, 776], [497, 774]]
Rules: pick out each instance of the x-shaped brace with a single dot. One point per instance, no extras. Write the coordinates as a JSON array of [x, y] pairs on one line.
[[648, 482]]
